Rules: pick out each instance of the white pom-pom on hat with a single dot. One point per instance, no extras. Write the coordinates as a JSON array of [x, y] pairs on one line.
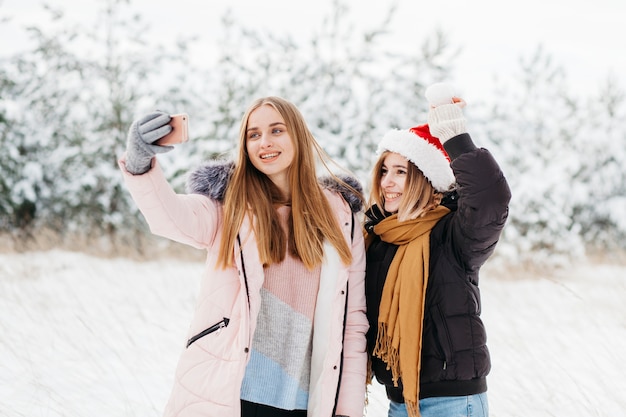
[[424, 151], [439, 93]]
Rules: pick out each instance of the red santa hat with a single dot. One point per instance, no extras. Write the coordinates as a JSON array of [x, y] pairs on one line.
[[424, 151]]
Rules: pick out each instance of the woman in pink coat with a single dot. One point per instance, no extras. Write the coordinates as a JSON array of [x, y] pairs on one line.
[[279, 326]]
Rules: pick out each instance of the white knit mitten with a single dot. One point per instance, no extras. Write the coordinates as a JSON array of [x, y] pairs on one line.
[[445, 118], [446, 121]]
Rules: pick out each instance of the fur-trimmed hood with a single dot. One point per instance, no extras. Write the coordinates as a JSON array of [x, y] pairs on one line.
[[212, 178]]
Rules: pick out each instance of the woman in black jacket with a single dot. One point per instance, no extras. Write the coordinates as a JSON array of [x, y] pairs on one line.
[[437, 207]]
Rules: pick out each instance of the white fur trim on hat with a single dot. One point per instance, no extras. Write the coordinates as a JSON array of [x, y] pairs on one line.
[[431, 160]]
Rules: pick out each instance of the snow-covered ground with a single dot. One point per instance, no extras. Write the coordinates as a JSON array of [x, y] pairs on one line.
[[87, 336]]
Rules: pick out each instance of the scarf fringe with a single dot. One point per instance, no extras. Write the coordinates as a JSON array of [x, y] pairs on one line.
[[384, 350], [412, 408]]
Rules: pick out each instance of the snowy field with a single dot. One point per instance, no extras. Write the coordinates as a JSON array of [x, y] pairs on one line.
[[86, 336]]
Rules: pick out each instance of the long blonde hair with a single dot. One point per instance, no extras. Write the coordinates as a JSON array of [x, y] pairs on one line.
[[419, 195], [252, 193]]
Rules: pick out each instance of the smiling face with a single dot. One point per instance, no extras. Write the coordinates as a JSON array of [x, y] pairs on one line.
[[393, 177], [269, 145]]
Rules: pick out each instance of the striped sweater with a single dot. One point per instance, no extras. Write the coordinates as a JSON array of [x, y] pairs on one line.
[[279, 368]]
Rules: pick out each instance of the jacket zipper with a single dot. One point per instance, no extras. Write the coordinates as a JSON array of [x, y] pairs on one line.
[[443, 336], [217, 326]]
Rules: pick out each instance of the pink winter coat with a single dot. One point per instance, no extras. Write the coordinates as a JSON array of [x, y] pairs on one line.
[[210, 370]]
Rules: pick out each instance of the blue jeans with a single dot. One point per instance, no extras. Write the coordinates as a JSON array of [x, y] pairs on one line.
[[467, 406]]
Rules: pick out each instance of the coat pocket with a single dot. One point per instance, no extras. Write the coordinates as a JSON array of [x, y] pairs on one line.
[[443, 337], [217, 326]]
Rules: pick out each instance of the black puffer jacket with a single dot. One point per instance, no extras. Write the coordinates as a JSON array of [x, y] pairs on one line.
[[455, 359]]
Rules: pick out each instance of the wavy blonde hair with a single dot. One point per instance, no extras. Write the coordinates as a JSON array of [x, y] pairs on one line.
[[418, 197], [250, 192]]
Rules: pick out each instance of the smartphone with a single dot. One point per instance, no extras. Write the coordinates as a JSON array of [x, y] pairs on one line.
[[179, 133]]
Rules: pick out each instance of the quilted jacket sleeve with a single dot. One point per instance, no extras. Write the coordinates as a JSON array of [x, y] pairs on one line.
[[191, 219], [483, 203]]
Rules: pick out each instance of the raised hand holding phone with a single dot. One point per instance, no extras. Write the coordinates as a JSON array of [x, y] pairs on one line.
[[179, 133], [143, 135]]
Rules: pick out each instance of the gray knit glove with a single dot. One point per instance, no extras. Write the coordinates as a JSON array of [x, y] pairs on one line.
[[446, 121], [140, 147]]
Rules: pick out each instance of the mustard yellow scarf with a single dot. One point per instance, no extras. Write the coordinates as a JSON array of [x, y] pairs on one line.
[[399, 340]]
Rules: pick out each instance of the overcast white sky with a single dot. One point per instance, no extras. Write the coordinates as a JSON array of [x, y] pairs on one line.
[[587, 38]]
